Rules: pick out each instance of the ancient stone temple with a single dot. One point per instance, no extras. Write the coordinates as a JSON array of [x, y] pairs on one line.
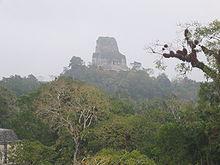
[[7, 136], [107, 55]]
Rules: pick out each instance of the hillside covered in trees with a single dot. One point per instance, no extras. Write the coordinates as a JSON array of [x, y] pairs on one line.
[[135, 84], [20, 85], [90, 116]]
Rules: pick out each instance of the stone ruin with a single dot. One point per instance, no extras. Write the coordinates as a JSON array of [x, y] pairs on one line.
[[7, 136], [107, 55]]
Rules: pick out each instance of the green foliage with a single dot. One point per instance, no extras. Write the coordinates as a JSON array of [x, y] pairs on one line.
[[122, 107], [115, 133], [31, 152], [132, 84], [7, 106], [76, 61], [111, 157], [64, 148], [70, 106], [194, 138], [128, 133], [147, 120], [28, 126], [65, 99], [19, 85], [182, 88], [209, 112], [171, 140], [207, 32]]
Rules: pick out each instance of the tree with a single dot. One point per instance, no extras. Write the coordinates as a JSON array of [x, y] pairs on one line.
[[27, 125], [122, 107], [131, 132], [76, 61], [72, 106], [20, 85], [132, 84], [76, 69], [197, 130], [31, 152], [111, 157], [183, 88], [7, 106], [116, 133], [209, 113], [198, 40]]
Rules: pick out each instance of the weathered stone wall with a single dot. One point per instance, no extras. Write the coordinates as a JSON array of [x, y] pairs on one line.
[[107, 55]]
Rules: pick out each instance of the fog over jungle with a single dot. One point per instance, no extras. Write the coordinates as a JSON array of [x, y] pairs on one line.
[[40, 36]]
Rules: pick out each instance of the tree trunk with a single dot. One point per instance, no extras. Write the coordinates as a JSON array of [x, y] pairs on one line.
[[207, 159], [5, 157], [75, 161]]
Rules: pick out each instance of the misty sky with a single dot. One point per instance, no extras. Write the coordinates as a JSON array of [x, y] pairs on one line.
[[41, 36]]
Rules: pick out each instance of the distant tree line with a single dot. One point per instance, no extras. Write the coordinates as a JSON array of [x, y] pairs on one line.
[[67, 121], [20, 85], [70, 122], [135, 84]]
